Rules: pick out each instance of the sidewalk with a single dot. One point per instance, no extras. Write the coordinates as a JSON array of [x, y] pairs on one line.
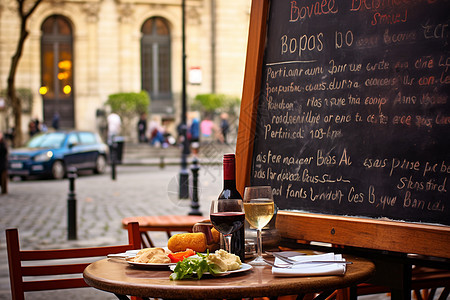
[[144, 154]]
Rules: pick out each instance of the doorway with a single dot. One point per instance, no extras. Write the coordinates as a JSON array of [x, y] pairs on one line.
[[57, 87]]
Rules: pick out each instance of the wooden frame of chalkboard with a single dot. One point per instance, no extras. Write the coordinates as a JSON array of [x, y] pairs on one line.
[[405, 236]]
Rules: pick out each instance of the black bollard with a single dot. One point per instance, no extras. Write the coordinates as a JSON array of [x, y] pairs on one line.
[[162, 164], [194, 203], [72, 205], [113, 158]]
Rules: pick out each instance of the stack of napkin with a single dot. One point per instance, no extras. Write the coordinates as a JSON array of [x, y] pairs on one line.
[[311, 269]]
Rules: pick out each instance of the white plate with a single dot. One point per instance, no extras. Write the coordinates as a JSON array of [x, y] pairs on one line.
[[244, 268], [132, 253]]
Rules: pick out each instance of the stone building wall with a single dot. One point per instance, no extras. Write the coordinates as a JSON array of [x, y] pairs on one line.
[[106, 48]]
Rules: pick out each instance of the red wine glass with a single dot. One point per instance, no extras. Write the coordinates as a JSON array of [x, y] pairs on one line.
[[227, 216]]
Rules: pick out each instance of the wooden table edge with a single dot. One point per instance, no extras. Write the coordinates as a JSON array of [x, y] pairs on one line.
[[183, 291]]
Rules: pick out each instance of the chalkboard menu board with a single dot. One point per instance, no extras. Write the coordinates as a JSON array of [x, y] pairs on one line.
[[354, 115]]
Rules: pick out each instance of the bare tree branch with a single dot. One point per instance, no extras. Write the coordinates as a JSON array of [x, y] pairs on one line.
[[33, 8], [15, 102]]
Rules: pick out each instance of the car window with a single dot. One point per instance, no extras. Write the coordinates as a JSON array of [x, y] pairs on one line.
[[48, 140], [73, 139], [87, 138]]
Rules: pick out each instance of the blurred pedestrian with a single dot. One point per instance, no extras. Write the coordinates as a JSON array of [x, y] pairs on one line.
[[9, 135], [102, 123], [206, 128], [180, 136], [114, 126], [153, 130], [3, 164], [194, 136], [37, 125], [142, 128], [158, 138], [224, 126], [32, 129], [55, 121]]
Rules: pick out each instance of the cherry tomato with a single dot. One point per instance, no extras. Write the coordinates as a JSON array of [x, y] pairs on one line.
[[179, 256]]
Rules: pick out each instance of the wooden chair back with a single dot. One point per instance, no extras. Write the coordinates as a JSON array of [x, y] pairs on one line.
[[17, 272]]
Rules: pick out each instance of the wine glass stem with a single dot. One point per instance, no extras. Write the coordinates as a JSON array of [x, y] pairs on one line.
[[259, 242], [227, 240]]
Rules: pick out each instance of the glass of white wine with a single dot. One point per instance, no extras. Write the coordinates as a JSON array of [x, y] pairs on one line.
[[259, 209]]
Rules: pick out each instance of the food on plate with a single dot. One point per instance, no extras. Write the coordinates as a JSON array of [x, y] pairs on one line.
[[182, 241], [160, 256], [151, 256], [216, 235], [179, 256], [224, 260], [213, 263], [215, 240], [194, 266], [212, 247], [211, 234]]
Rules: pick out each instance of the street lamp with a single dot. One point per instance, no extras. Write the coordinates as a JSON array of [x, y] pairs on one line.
[[184, 173]]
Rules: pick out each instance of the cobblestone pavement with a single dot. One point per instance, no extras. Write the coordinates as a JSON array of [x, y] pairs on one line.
[[38, 208]]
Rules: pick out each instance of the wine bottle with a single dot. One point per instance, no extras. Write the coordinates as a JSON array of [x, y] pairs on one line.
[[230, 192]]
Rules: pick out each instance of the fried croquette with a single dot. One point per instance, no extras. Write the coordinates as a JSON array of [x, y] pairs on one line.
[[216, 235], [182, 241]]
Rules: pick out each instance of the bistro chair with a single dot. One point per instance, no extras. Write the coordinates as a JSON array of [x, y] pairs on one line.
[[167, 223], [17, 272]]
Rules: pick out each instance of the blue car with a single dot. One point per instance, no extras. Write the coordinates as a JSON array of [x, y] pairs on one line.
[[51, 154]]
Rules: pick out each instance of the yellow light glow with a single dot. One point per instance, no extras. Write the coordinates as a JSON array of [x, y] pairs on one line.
[[65, 64], [43, 90], [67, 89], [63, 75]]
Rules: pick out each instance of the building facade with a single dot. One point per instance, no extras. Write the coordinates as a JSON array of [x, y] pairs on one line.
[[79, 52]]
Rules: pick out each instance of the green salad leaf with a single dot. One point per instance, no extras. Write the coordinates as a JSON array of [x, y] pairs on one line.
[[194, 266]]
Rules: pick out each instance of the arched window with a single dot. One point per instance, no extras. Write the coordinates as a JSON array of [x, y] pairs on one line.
[[155, 64], [57, 70]]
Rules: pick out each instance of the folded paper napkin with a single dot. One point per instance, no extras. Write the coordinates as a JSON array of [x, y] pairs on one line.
[[311, 269], [128, 253]]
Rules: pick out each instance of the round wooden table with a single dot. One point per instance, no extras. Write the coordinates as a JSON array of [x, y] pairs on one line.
[[118, 277]]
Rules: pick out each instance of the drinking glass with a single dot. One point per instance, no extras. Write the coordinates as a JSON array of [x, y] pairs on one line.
[[259, 209], [227, 216]]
